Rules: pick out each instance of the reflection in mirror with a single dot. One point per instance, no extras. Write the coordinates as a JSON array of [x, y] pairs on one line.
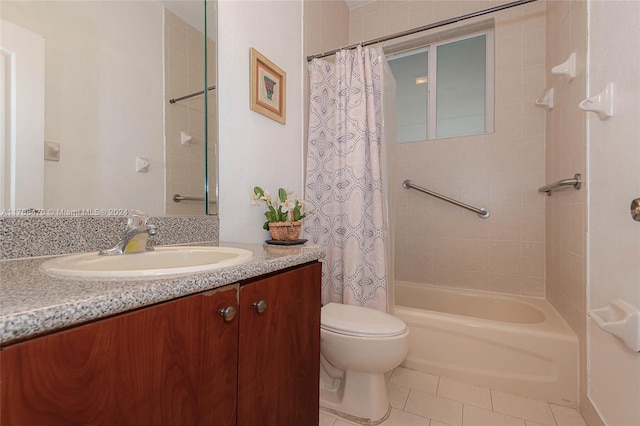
[[98, 80], [211, 106]]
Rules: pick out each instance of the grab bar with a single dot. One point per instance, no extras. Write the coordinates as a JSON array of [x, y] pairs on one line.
[[177, 198], [191, 95], [483, 213], [575, 182]]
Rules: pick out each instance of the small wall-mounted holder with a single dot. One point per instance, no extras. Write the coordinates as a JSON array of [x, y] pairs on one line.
[[185, 138], [51, 151], [601, 104], [142, 164], [546, 101], [567, 68], [621, 320]]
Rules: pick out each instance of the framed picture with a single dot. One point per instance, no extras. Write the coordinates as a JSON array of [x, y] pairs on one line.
[[268, 88]]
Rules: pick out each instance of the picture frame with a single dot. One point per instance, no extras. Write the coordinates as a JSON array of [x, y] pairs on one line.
[[268, 88]]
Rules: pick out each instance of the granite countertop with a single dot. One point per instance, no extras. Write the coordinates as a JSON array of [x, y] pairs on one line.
[[34, 303]]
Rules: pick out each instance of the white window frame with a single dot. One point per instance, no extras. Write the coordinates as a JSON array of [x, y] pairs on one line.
[[432, 49]]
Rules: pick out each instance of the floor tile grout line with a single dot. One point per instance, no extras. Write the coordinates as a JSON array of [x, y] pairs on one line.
[[406, 400], [552, 414], [491, 398]]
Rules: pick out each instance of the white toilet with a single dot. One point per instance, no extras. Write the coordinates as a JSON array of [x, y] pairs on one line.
[[357, 347]]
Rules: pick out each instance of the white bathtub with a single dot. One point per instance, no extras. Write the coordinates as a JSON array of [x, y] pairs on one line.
[[513, 344]]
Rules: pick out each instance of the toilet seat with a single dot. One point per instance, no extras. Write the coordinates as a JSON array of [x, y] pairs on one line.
[[359, 321]]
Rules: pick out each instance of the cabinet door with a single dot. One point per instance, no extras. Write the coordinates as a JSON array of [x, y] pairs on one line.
[[169, 364], [279, 359]]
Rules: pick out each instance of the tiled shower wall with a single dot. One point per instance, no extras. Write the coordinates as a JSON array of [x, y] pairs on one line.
[[566, 154], [441, 244], [184, 74]]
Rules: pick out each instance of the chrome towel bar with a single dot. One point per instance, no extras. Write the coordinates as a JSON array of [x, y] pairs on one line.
[[576, 182], [483, 213]]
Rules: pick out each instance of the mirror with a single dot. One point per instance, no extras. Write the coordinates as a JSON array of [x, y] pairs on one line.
[[87, 85]]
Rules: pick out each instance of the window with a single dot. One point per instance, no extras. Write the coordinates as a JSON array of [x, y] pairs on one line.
[[445, 89]]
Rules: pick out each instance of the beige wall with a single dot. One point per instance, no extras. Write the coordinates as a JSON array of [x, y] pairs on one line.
[[184, 67], [613, 181], [441, 244], [256, 149]]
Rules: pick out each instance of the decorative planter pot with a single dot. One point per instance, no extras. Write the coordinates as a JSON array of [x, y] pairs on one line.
[[285, 231]]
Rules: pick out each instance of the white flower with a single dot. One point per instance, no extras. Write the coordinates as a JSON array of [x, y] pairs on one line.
[[288, 204]]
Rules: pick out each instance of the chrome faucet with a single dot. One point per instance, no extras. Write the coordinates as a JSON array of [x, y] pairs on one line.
[[135, 236]]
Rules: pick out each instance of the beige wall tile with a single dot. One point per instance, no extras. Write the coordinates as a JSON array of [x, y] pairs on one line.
[[505, 257], [374, 25], [420, 13], [533, 47], [505, 224], [505, 190], [533, 260], [503, 283], [509, 91], [533, 224], [509, 52], [444, 9], [396, 17], [313, 17], [534, 287]]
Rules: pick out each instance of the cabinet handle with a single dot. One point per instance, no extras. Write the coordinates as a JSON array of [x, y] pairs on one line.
[[260, 306], [228, 313]]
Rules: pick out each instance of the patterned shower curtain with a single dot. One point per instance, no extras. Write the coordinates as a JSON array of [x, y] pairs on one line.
[[344, 177]]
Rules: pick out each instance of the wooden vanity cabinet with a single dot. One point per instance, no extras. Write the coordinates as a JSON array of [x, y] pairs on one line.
[[170, 364], [178, 363], [279, 359]]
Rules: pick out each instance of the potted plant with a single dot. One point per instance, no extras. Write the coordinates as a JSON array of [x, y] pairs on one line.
[[284, 214]]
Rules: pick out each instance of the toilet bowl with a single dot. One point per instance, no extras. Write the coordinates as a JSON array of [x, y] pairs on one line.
[[357, 347]]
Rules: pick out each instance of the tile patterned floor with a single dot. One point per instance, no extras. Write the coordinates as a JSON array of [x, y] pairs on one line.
[[420, 399]]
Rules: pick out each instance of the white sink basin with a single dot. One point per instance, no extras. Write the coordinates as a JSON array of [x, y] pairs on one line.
[[159, 262]]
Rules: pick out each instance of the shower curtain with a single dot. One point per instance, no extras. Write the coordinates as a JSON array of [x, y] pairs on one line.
[[344, 182]]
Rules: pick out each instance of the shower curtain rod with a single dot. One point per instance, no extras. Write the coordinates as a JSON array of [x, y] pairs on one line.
[[424, 28]]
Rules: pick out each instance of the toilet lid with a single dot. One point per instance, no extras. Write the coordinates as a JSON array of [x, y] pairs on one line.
[[359, 321]]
